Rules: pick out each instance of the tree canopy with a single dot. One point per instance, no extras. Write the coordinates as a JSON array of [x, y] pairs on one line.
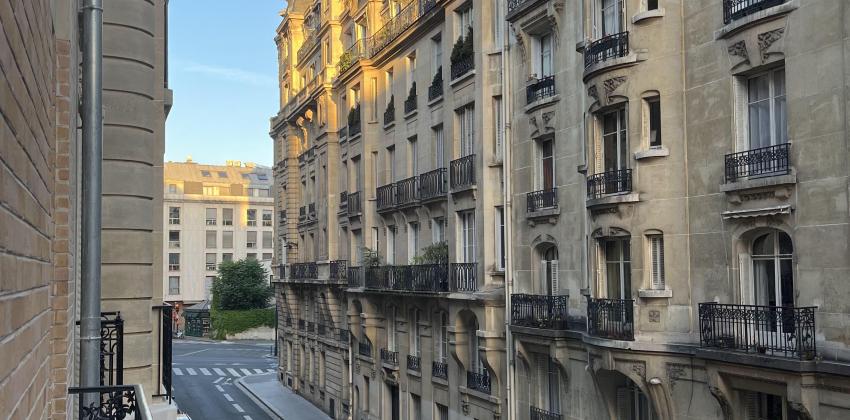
[[241, 284]]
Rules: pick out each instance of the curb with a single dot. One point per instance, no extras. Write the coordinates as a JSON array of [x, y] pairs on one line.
[[257, 400]]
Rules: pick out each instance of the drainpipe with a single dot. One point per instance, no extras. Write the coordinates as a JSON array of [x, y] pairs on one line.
[[92, 120], [508, 215]]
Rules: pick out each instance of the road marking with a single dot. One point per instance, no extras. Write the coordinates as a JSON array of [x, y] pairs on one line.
[[219, 372], [218, 380], [270, 370], [177, 371], [238, 408], [245, 371], [219, 388], [205, 372], [234, 372], [191, 352], [191, 371], [228, 397], [258, 370], [247, 417]]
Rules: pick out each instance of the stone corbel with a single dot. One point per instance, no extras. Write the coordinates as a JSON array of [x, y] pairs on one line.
[[721, 392]]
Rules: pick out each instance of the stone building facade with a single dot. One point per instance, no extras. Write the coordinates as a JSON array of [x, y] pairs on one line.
[[40, 216]]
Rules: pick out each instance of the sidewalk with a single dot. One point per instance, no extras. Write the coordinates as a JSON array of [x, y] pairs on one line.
[[277, 400]]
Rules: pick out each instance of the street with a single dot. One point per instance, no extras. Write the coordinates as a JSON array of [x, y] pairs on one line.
[[204, 375]]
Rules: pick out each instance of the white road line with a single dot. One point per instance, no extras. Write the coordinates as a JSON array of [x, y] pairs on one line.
[[219, 388], [205, 372], [238, 408], [228, 397], [247, 417], [177, 371], [219, 372], [234, 373], [218, 380], [245, 371], [258, 371], [270, 370], [191, 352], [191, 371]]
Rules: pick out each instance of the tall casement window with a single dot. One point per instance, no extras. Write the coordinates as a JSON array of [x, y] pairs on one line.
[[391, 328], [388, 89], [656, 261], [498, 130], [549, 270], [464, 19], [373, 96], [267, 218], [611, 18], [411, 70], [211, 216], [500, 238], [546, 177], [390, 245], [412, 239], [413, 155], [615, 144], [438, 230], [211, 261], [174, 239], [436, 54], [443, 338], [173, 261], [173, 285], [760, 405], [227, 217], [544, 65], [475, 364], [467, 236], [211, 239], [251, 215], [616, 263], [439, 147], [466, 122], [227, 239], [653, 117], [251, 239], [772, 272], [545, 390], [415, 334], [767, 119], [391, 164], [632, 404]]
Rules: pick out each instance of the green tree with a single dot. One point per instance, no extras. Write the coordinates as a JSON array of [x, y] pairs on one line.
[[241, 284]]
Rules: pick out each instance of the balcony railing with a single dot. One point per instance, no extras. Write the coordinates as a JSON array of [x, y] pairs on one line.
[[736, 9], [769, 330], [354, 121], [385, 196], [462, 66], [464, 277], [351, 56], [543, 199], [757, 163], [338, 269], [407, 191], [541, 414], [611, 318], [611, 46], [440, 370], [301, 271], [311, 211], [354, 204], [436, 89], [411, 103], [462, 172], [611, 182], [111, 348], [343, 201], [111, 403], [302, 213], [411, 278], [433, 184], [364, 349], [542, 88], [355, 276], [389, 357], [540, 311], [398, 24], [389, 113], [478, 381], [414, 363]]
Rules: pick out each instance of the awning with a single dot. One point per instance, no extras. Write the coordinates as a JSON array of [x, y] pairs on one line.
[[763, 212]]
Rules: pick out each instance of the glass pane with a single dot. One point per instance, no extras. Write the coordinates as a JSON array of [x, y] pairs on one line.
[[763, 245], [786, 247], [613, 280], [609, 152], [627, 281], [786, 273]]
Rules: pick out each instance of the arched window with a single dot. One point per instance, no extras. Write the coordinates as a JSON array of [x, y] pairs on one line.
[[773, 273], [549, 271]]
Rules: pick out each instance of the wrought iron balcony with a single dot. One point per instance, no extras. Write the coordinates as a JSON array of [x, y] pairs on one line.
[[311, 211], [611, 182], [736, 9], [354, 121], [541, 414], [543, 199], [433, 184], [393, 28], [611, 46], [611, 318], [542, 88], [301, 271], [464, 277], [354, 204], [385, 196], [757, 163], [462, 66], [116, 402], [352, 55], [414, 363], [407, 191], [412, 278], [111, 348], [364, 349], [478, 381], [343, 202], [436, 89], [540, 311], [302, 213], [768, 330], [410, 103], [389, 357], [355, 276], [440, 370], [281, 271], [338, 269], [389, 113], [462, 172], [311, 326]]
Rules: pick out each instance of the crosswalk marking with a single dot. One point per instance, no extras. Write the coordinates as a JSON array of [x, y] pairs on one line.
[[270, 370], [177, 371], [223, 372], [219, 372], [234, 372], [245, 371], [258, 370], [190, 371]]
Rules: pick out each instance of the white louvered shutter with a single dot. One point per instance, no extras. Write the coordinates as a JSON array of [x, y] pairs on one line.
[[601, 287], [751, 409], [657, 249], [553, 269]]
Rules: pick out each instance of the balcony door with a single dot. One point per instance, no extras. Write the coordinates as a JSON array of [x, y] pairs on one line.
[[547, 165], [547, 386], [618, 269], [611, 17], [615, 144], [549, 271], [767, 116], [773, 274]]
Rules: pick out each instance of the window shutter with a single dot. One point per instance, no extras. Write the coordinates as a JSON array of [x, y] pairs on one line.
[[657, 270], [601, 289], [751, 409], [553, 268], [623, 411], [745, 277], [597, 145], [622, 17]]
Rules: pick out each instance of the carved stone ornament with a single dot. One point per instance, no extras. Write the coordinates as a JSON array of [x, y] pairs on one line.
[[640, 369], [802, 411], [723, 401], [739, 49], [767, 39], [593, 92], [674, 373], [611, 85]]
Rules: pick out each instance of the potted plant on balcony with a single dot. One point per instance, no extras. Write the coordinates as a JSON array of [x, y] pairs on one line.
[[345, 60], [437, 253]]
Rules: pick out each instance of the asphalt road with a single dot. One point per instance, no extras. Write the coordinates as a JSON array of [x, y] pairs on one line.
[[203, 376]]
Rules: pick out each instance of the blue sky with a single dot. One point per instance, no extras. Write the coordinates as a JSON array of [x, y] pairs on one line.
[[223, 70]]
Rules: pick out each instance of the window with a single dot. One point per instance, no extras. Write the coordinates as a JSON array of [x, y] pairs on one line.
[[633, 404], [498, 24], [464, 20], [500, 238], [656, 255], [251, 241], [174, 239], [208, 283], [498, 129], [611, 18], [549, 271], [618, 271], [412, 239], [174, 215], [252, 217], [438, 230], [411, 70], [466, 122], [226, 257], [543, 66], [210, 262], [252, 256], [467, 236], [547, 165], [391, 328], [759, 406], [439, 147], [413, 157], [212, 215], [375, 178], [653, 109], [172, 188], [766, 108], [227, 239], [263, 192], [388, 86], [222, 174], [391, 163], [267, 239], [227, 217], [373, 92], [773, 272], [211, 190], [615, 146], [437, 54], [173, 285], [651, 4], [443, 341], [267, 256], [547, 384], [415, 342], [390, 245], [267, 218], [442, 412], [205, 174], [173, 262], [212, 239], [415, 407]]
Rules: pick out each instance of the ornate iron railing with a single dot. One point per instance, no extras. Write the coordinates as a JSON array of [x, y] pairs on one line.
[[110, 403], [611, 182], [398, 24], [411, 103], [611, 46], [543, 199], [352, 55], [311, 211], [355, 206], [300, 271], [436, 88], [478, 381], [414, 363], [354, 121], [355, 276], [540, 311], [433, 184], [412, 278], [611, 318], [462, 66], [389, 357], [385, 197], [542, 88], [311, 326], [761, 162], [365, 349], [736, 9], [462, 172], [407, 191], [338, 269], [464, 277], [541, 414], [440, 370], [111, 348], [771, 330], [389, 113]]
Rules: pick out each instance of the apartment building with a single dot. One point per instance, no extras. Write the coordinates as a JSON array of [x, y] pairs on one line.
[[40, 205], [214, 213], [679, 221]]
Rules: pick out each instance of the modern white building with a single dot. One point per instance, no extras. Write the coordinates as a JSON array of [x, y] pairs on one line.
[[213, 213]]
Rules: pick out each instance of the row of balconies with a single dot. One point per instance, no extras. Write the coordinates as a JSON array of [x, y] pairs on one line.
[[349, 204], [428, 186], [767, 330], [307, 214], [321, 330], [421, 278], [308, 272]]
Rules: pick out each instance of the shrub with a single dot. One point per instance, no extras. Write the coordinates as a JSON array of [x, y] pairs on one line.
[[437, 253], [371, 258], [241, 285], [223, 323]]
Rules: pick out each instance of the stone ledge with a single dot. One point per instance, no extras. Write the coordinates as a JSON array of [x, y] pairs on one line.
[[655, 293], [610, 64], [540, 103], [468, 75], [745, 22], [770, 181], [544, 213], [659, 151], [610, 200], [648, 14]]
